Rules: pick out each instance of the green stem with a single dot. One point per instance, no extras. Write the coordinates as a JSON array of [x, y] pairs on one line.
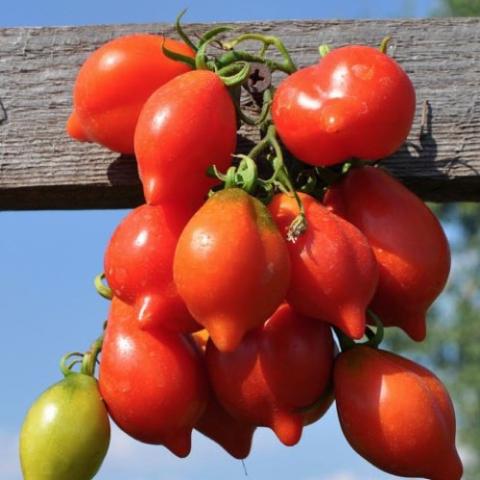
[[90, 357], [384, 44], [66, 369], [102, 289], [376, 339], [181, 32], [288, 66], [323, 50], [345, 342], [242, 70]]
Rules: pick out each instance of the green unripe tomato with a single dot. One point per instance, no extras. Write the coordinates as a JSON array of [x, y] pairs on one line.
[[66, 432]]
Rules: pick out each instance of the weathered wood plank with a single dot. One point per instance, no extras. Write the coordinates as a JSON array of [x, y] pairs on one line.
[[41, 168]]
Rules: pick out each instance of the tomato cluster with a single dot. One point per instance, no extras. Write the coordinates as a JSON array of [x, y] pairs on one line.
[[228, 284]]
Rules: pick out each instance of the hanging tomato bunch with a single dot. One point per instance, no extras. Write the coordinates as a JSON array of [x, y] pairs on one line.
[[228, 284]]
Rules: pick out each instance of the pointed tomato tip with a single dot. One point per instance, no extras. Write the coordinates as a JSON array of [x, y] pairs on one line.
[[180, 444], [353, 321], [74, 128], [226, 336], [288, 427], [450, 470], [415, 327]]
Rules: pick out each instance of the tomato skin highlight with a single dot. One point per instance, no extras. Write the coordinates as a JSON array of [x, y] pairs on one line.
[[356, 102], [408, 241], [184, 127], [66, 433], [154, 384], [231, 266], [139, 266], [396, 414], [334, 272], [114, 83], [277, 370]]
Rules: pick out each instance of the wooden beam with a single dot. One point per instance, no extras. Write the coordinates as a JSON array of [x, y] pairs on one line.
[[41, 168]]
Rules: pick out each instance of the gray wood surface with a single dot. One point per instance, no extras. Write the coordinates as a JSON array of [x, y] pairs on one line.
[[41, 168]]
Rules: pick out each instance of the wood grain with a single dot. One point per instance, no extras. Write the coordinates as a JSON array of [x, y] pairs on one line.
[[41, 168]]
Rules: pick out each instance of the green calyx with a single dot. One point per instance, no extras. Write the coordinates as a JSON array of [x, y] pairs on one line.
[[87, 360]]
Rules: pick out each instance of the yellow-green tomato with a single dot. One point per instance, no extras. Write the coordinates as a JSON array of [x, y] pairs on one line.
[[66, 432]]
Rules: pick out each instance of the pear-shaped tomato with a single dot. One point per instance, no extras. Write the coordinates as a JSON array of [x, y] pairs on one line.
[[66, 433], [114, 83], [186, 126], [396, 414], [334, 272], [276, 371], [231, 266], [139, 266], [408, 241], [154, 384], [234, 435], [356, 102]]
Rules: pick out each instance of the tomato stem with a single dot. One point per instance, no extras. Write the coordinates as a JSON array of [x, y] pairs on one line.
[[323, 50], [374, 339], [181, 32], [178, 57], [67, 369], [90, 357], [384, 44], [102, 289], [288, 66]]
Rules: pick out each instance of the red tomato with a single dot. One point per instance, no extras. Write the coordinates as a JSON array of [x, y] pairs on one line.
[[231, 266], [276, 371], [408, 242], [114, 83], [154, 384], [334, 272], [396, 414], [216, 423], [186, 126], [356, 102], [139, 266]]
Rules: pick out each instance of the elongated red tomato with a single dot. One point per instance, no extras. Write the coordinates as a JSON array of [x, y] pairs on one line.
[[275, 372], [334, 272], [234, 435], [231, 266], [154, 384], [356, 102], [396, 414], [186, 126], [139, 266], [114, 83], [408, 241]]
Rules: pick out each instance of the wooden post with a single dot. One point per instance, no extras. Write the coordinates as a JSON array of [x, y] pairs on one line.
[[41, 168]]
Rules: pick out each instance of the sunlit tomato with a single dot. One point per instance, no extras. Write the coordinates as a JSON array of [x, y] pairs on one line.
[[217, 424], [139, 266], [356, 102], [114, 83], [186, 126], [334, 272], [396, 414], [408, 241], [154, 384], [66, 433], [231, 266], [277, 371]]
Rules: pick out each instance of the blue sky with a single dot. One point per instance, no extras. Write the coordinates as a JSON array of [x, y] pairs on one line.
[[48, 260]]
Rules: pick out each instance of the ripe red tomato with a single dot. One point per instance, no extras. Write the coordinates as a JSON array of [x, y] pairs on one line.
[[186, 126], [231, 266], [396, 414], [408, 241], [334, 272], [139, 266], [154, 384], [356, 102], [217, 424], [114, 83], [277, 370]]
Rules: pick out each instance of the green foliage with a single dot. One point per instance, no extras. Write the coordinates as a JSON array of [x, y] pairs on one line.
[[462, 8]]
